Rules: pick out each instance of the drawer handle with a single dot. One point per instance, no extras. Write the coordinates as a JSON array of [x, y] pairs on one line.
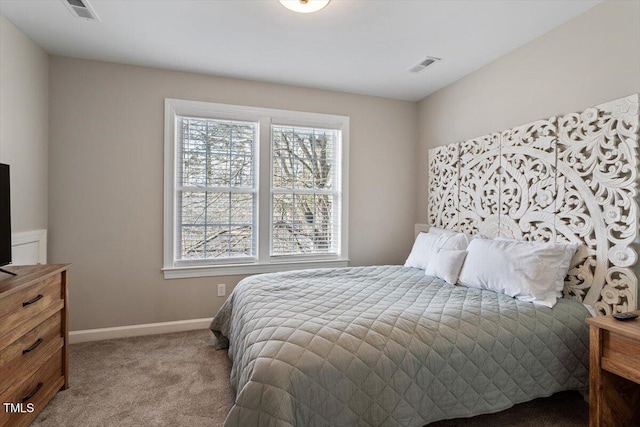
[[31, 301], [33, 347], [33, 393]]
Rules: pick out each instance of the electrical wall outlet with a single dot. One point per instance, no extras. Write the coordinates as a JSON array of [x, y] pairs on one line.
[[222, 289]]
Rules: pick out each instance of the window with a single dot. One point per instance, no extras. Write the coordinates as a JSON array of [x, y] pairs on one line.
[[305, 196], [215, 193], [252, 190]]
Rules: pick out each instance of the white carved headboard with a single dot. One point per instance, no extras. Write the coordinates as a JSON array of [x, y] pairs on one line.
[[569, 178]]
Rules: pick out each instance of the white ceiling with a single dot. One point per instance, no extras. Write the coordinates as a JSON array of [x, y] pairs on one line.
[[357, 46]]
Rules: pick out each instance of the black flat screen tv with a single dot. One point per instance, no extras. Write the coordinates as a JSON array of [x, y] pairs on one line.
[[5, 216]]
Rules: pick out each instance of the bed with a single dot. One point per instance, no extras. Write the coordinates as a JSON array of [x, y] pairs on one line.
[[392, 346], [389, 346]]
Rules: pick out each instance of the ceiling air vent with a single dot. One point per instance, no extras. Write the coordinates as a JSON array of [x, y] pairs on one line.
[[81, 9], [429, 60]]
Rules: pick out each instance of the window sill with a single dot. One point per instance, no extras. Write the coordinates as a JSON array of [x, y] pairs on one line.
[[248, 269]]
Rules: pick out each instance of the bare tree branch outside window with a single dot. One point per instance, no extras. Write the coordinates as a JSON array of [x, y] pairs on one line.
[[217, 197], [303, 190]]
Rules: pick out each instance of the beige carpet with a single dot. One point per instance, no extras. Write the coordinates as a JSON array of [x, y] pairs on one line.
[[161, 380], [181, 380]]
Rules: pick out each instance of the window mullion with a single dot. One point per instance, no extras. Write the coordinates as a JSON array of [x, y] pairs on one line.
[[303, 191], [264, 191], [218, 189]]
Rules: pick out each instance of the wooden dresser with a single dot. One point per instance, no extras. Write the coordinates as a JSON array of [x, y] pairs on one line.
[[33, 340], [614, 385]]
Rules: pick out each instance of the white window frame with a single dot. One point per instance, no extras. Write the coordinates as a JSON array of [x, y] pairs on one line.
[[264, 262]]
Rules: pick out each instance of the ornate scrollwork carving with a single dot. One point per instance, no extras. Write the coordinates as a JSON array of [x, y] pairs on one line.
[[528, 182], [597, 177], [443, 186], [479, 196], [568, 179]]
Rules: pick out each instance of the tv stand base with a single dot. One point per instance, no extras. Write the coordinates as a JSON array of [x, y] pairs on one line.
[[2, 270]]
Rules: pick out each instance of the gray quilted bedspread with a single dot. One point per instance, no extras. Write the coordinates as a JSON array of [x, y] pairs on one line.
[[389, 346]]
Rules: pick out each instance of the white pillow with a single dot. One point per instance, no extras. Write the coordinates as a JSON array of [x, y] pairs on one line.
[[436, 230], [529, 271], [446, 264], [428, 244], [457, 241], [422, 250], [566, 251]]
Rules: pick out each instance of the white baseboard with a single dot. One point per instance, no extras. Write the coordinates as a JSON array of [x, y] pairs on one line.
[[137, 330]]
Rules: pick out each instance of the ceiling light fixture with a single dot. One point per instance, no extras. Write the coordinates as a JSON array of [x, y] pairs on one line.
[[304, 6]]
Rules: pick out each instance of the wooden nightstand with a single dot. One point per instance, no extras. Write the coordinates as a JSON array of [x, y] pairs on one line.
[[614, 384]]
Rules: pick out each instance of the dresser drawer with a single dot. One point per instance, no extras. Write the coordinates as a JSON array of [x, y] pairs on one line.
[[26, 308], [29, 298], [28, 353], [37, 389]]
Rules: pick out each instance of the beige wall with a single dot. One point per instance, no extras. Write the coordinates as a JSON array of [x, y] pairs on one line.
[[106, 183], [589, 60], [24, 125]]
